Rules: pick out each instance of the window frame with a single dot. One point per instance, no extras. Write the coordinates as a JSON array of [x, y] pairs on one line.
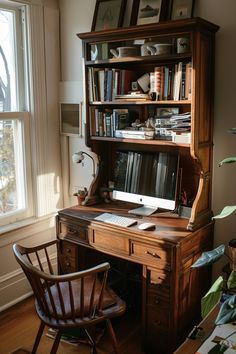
[[23, 72]]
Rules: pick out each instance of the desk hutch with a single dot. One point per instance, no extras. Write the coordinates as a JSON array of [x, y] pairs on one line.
[[171, 291]]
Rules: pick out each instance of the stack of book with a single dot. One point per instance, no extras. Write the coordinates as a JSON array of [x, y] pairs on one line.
[[181, 127], [163, 123]]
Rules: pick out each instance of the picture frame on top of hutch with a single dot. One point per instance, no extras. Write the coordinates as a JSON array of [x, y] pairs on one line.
[[181, 9], [148, 11], [108, 14]]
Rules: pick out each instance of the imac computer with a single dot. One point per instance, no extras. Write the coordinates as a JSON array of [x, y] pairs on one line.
[[149, 179]]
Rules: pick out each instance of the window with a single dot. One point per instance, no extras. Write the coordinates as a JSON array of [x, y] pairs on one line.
[[15, 174]]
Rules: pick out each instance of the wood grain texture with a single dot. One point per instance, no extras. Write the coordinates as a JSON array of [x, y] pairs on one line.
[[19, 325]]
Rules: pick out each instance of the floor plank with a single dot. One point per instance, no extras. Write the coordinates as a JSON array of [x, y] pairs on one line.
[[19, 325]]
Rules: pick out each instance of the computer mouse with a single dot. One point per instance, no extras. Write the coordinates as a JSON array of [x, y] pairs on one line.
[[147, 226]]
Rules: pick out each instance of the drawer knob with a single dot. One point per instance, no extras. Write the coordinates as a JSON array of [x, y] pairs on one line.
[[68, 250], [153, 254], [71, 231], [157, 300], [68, 264]]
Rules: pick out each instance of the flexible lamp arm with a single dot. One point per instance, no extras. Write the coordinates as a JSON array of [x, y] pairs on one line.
[[78, 157]]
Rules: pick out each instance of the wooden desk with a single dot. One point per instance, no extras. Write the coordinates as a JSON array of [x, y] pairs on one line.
[[191, 346], [171, 292]]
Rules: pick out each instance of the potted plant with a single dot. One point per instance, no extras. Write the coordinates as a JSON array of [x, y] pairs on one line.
[[224, 288], [81, 195]]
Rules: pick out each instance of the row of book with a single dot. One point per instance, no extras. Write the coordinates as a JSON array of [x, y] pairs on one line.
[[108, 121], [172, 82], [106, 84]]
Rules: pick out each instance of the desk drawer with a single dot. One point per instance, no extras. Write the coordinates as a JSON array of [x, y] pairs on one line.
[[158, 285], [112, 241], [72, 231], [152, 255], [68, 257]]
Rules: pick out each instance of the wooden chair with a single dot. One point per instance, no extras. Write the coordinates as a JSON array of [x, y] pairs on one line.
[[80, 299]]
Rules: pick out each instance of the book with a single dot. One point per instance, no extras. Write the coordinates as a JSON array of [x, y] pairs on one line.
[[126, 78], [120, 118], [108, 90], [188, 80], [177, 81], [101, 84]]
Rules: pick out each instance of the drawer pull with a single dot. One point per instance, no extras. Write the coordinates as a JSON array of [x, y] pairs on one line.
[[153, 254], [71, 231], [68, 264], [68, 250]]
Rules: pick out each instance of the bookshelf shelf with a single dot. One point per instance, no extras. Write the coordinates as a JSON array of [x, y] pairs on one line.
[[139, 59], [124, 102], [139, 141], [185, 86]]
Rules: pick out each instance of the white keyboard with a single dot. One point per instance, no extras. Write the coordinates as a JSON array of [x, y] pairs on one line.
[[116, 219]]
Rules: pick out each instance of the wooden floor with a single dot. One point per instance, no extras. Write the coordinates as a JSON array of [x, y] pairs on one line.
[[19, 325]]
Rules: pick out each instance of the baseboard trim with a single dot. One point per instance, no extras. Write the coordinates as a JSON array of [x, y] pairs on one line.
[[15, 301]]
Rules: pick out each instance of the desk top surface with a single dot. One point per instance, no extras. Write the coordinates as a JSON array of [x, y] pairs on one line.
[[169, 226]]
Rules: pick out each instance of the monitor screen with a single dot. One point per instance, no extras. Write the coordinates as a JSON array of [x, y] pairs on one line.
[[149, 179]]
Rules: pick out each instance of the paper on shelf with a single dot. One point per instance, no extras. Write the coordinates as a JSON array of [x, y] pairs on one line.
[[224, 331]]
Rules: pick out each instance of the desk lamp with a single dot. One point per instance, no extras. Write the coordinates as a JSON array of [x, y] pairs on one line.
[[78, 157]]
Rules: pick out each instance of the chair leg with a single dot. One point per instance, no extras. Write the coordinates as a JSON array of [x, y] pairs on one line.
[[38, 337], [92, 342], [56, 342], [112, 336]]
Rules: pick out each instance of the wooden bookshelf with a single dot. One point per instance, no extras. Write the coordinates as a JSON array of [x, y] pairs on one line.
[[196, 156]]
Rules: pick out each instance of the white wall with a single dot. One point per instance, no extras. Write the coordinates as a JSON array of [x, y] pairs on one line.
[[76, 16], [224, 191]]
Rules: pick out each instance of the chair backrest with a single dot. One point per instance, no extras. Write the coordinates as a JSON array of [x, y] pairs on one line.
[[64, 298]]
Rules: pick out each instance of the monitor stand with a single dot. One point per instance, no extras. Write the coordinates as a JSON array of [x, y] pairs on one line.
[[144, 210]]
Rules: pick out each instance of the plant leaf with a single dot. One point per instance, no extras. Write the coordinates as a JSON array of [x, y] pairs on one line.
[[225, 212], [209, 257], [212, 297], [227, 160], [232, 130], [227, 311], [231, 282]]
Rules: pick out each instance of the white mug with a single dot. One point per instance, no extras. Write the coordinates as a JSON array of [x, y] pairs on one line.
[[183, 45]]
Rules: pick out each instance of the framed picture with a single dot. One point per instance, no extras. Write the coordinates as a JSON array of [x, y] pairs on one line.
[[108, 14], [182, 9], [148, 11], [70, 119]]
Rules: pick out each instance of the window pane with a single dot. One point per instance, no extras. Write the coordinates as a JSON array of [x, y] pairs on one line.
[[8, 77], [12, 186]]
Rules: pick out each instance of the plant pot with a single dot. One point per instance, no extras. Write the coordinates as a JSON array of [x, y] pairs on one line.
[[80, 199]]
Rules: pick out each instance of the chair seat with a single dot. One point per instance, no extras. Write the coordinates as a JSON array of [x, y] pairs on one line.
[[109, 298]]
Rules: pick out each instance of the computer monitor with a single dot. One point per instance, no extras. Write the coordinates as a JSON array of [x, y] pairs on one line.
[[145, 178]]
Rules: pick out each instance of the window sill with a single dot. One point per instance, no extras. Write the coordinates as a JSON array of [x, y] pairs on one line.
[[26, 228]]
